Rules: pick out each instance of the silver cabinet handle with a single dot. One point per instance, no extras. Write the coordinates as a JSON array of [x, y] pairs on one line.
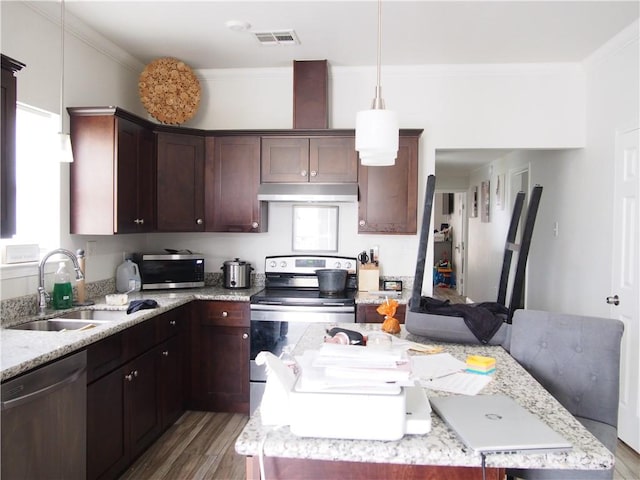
[[172, 323], [129, 377], [362, 223], [135, 373], [314, 173], [303, 173], [199, 221], [254, 224], [614, 300], [245, 336], [225, 314], [165, 353]]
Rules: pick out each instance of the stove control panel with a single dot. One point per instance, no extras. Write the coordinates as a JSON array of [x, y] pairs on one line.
[[308, 264]]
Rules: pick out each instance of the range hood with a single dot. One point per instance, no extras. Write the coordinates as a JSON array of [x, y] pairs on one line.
[[308, 192]]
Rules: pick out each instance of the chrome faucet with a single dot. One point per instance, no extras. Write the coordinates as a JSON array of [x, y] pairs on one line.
[[42, 294]]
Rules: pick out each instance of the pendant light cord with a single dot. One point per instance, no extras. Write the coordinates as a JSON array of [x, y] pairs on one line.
[[62, 66], [378, 102]]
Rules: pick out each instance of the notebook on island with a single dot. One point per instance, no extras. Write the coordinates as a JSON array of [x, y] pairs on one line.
[[497, 424]]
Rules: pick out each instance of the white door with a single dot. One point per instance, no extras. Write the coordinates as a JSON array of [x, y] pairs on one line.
[[459, 238], [625, 282]]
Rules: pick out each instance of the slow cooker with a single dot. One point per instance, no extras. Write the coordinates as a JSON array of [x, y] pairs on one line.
[[237, 273]]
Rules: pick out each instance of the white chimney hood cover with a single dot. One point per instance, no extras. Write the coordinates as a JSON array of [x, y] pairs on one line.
[[308, 192]]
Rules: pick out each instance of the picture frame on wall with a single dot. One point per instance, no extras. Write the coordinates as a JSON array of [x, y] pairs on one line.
[[473, 212], [485, 202], [499, 191]]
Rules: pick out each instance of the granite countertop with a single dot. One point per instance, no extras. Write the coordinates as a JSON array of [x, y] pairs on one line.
[[440, 446], [23, 350]]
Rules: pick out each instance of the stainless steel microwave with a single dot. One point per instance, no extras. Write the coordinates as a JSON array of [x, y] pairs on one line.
[[170, 270]]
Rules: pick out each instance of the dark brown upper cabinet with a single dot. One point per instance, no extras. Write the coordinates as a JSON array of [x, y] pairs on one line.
[[112, 177], [301, 160], [180, 183], [389, 195], [8, 97], [232, 178]]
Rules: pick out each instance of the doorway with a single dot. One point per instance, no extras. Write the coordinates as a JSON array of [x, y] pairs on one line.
[[450, 226]]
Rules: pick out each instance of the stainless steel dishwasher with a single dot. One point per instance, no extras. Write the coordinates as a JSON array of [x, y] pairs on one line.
[[44, 422]]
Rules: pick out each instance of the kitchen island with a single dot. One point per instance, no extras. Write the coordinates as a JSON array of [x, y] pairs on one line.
[[438, 454]]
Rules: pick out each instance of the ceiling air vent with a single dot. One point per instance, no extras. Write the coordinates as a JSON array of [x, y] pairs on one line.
[[277, 37]]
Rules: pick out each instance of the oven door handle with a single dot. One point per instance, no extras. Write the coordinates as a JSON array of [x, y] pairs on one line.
[[278, 307]]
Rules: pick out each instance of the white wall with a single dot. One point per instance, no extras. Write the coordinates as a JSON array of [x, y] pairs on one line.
[[499, 106], [578, 276], [93, 76], [569, 272]]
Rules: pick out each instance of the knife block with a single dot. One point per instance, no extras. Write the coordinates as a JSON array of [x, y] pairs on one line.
[[368, 278]]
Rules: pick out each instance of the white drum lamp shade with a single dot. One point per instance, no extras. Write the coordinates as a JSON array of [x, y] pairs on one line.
[[377, 133]]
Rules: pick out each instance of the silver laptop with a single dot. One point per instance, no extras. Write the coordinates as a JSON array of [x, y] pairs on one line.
[[497, 424]]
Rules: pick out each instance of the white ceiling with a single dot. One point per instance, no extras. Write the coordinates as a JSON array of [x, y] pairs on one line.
[[415, 32], [345, 32]]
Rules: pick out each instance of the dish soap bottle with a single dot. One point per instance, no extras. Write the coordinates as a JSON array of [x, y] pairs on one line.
[[62, 291]]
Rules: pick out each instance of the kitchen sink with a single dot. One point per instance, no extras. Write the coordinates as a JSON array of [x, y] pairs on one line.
[[100, 315], [73, 320], [56, 325]]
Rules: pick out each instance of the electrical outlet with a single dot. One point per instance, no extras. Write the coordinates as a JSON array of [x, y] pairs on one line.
[[90, 248], [555, 229]]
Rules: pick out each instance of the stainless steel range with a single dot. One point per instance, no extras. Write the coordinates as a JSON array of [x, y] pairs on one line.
[[290, 301]]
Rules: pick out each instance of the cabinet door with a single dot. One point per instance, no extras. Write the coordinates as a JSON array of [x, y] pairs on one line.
[[7, 152], [333, 160], [389, 195], [146, 200], [170, 385], [232, 178], [126, 168], [285, 159], [224, 367], [141, 402], [106, 444], [180, 183]]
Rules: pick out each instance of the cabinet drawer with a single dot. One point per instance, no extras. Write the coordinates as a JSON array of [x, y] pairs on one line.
[[139, 338], [169, 324], [104, 356], [230, 314]]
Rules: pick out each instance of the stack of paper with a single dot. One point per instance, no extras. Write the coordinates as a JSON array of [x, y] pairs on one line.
[[349, 367]]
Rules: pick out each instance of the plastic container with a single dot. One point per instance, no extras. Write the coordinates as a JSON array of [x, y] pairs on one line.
[[128, 277], [62, 291]]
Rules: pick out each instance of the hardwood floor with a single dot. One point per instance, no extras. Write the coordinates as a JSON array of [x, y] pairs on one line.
[[445, 293], [200, 445]]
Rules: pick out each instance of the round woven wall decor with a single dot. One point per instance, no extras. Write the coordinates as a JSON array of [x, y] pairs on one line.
[[169, 90]]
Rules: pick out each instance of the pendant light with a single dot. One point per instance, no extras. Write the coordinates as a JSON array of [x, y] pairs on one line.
[[66, 155], [377, 129]]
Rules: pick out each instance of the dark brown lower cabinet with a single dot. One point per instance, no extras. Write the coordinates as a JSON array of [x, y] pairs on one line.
[[123, 416], [171, 390], [220, 357], [106, 453], [141, 396], [369, 314]]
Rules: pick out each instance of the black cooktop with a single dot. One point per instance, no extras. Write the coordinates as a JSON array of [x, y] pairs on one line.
[[299, 296]]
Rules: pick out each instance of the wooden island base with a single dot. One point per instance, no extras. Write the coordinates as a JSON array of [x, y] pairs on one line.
[[278, 468]]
